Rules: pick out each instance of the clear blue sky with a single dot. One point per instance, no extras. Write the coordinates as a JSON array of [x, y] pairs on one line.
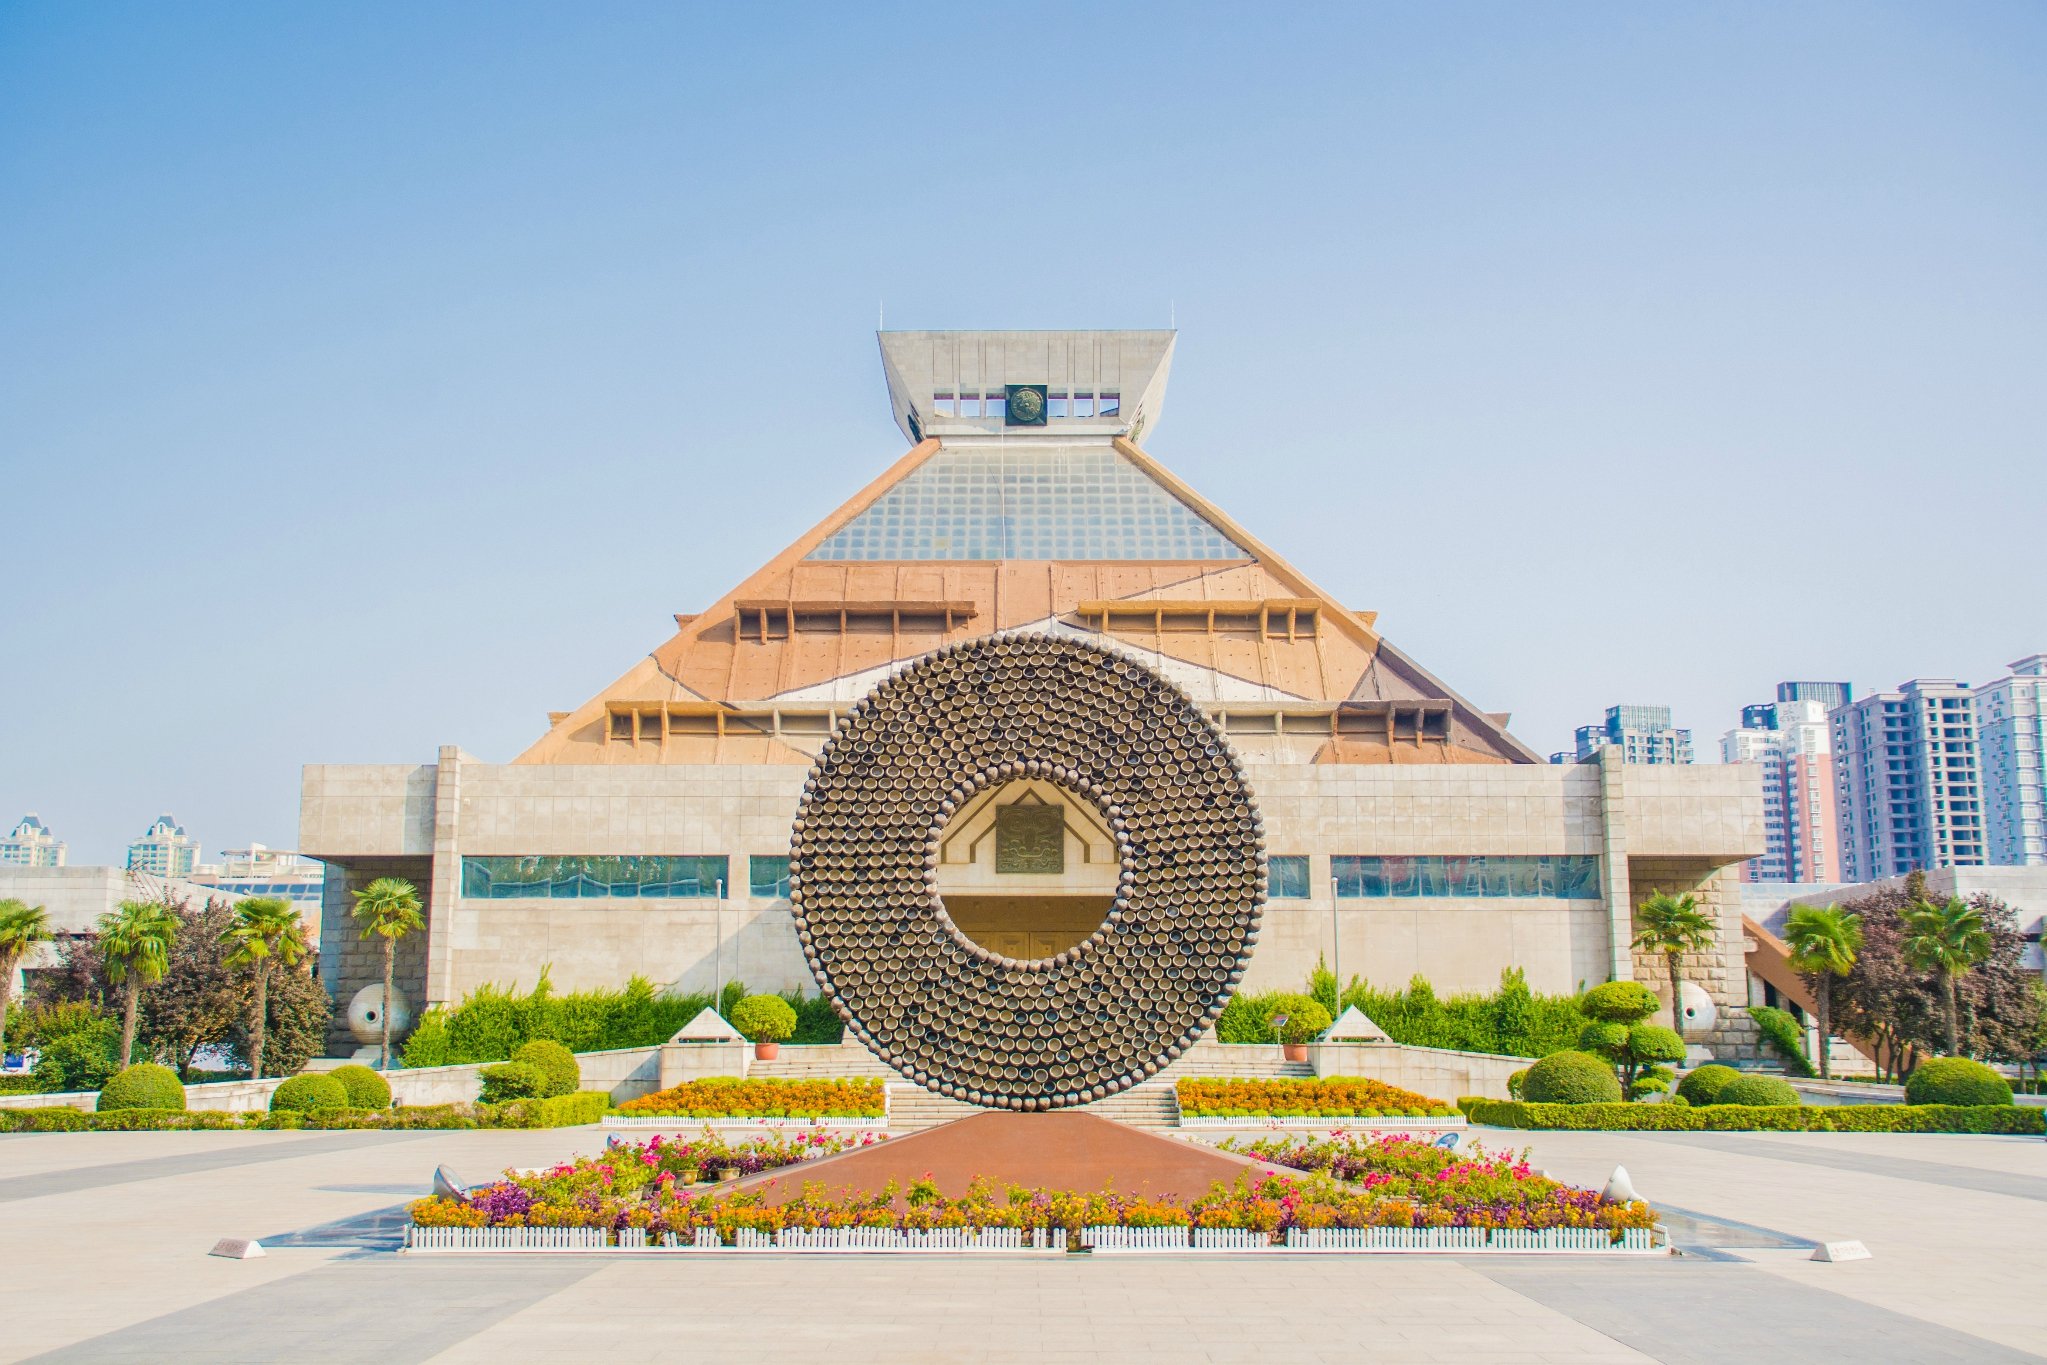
[[374, 377]]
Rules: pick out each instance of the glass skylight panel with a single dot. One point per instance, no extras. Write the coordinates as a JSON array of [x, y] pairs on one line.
[[1067, 503]]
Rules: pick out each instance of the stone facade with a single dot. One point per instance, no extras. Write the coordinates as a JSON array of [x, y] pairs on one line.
[[1677, 829]]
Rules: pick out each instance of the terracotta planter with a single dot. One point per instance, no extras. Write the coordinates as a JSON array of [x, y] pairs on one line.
[[1294, 1052], [766, 1052], [691, 1175]]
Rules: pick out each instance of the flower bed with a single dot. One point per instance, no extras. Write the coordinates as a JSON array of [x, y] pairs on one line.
[[1444, 1189], [728, 1097], [1342, 1097], [1786, 1118], [1391, 1183], [563, 1111]]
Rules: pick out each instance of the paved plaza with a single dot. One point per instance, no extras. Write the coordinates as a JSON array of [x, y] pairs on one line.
[[104, 1236]]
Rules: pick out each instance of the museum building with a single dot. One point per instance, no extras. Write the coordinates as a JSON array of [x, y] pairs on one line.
[[1025, 664]]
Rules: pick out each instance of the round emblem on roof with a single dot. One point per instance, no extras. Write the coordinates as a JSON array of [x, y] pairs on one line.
[[1027, 1033], [1026, 405]]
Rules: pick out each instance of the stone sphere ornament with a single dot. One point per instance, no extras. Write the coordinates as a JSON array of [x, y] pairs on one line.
[[1039, 1033], [1699, 1015], [366, 1015]]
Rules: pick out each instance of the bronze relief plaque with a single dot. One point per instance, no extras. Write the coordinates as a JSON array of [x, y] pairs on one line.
[[1030, 838]]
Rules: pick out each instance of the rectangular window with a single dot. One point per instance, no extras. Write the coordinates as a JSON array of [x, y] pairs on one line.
[[1287, 877], [644, 876], [1548, 876], [767, 878]]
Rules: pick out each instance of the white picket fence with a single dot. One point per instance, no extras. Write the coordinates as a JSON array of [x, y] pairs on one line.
[[1634, 1241], [1112, 1238], [508, 1239], [892, 1239]]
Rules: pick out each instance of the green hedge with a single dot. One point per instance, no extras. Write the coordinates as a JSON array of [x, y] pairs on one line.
[[491, 1022], [1724, 1118], [564, 1111], [1512, 1021]]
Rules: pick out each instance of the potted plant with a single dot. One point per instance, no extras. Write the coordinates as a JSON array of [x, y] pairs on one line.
[[1297, 1020], [728, 1173], [765, 1021]]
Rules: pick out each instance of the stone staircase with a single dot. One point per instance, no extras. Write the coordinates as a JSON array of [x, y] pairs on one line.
[[912, 1107]]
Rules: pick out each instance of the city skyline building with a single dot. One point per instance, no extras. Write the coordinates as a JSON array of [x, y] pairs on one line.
[[1907, 780], [1641, 734], [2011, 737], [262, 871], [1790, 741], [32, 845], [164, 850]]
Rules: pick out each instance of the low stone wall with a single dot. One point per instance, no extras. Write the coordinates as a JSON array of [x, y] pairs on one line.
[[1439, 1073]]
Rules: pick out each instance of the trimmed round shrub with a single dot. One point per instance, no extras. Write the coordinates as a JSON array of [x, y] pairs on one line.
[[764, 1019], [1956, 1080], [1655, 1043], [1702, 1085], [1516, 1081], [366, 1089], [146, 1085], [1619, 1002], [512, 1081], [302, 1094], [1571, 1078], [1306, 1019], [555, 1063], [1603, 1039], [1768, 1092]]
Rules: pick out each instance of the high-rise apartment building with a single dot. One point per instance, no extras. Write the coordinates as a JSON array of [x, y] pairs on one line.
[[1907, 780], [1791, 741], [2011, 734], [31, 845], [1643, 734], [164, 850], [1830, 695]]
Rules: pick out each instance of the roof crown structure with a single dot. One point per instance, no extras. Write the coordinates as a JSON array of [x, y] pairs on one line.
[[1026, 504], [951, 384]]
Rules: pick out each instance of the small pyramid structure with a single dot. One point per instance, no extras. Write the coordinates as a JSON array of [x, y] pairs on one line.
[[1353, 1026], [708, 1027]]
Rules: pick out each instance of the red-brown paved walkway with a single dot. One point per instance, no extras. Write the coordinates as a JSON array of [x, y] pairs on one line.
[[1063, 1151]]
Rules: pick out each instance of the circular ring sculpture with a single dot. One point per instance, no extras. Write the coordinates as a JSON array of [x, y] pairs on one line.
[[1005, 1032]]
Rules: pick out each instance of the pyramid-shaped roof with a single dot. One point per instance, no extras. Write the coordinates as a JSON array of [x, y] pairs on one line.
[[1061, 525]]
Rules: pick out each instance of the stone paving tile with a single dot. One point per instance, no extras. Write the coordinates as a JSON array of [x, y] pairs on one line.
[[55, 1182]]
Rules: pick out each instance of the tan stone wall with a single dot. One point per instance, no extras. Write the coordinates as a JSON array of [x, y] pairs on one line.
[[1723, 972], [372, 820]]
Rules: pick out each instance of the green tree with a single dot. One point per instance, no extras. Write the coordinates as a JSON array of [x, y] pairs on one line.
[[135, 944], [22, 927], [1673, 926], [1824, 941], [388, 908], [266, 930], [1947, 940]]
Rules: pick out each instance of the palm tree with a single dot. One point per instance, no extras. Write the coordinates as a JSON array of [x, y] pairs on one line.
[[266, 929], [1673, 926], [22, 927], [135, 944], [1948, 939], [388, 908], [1824, 941]]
